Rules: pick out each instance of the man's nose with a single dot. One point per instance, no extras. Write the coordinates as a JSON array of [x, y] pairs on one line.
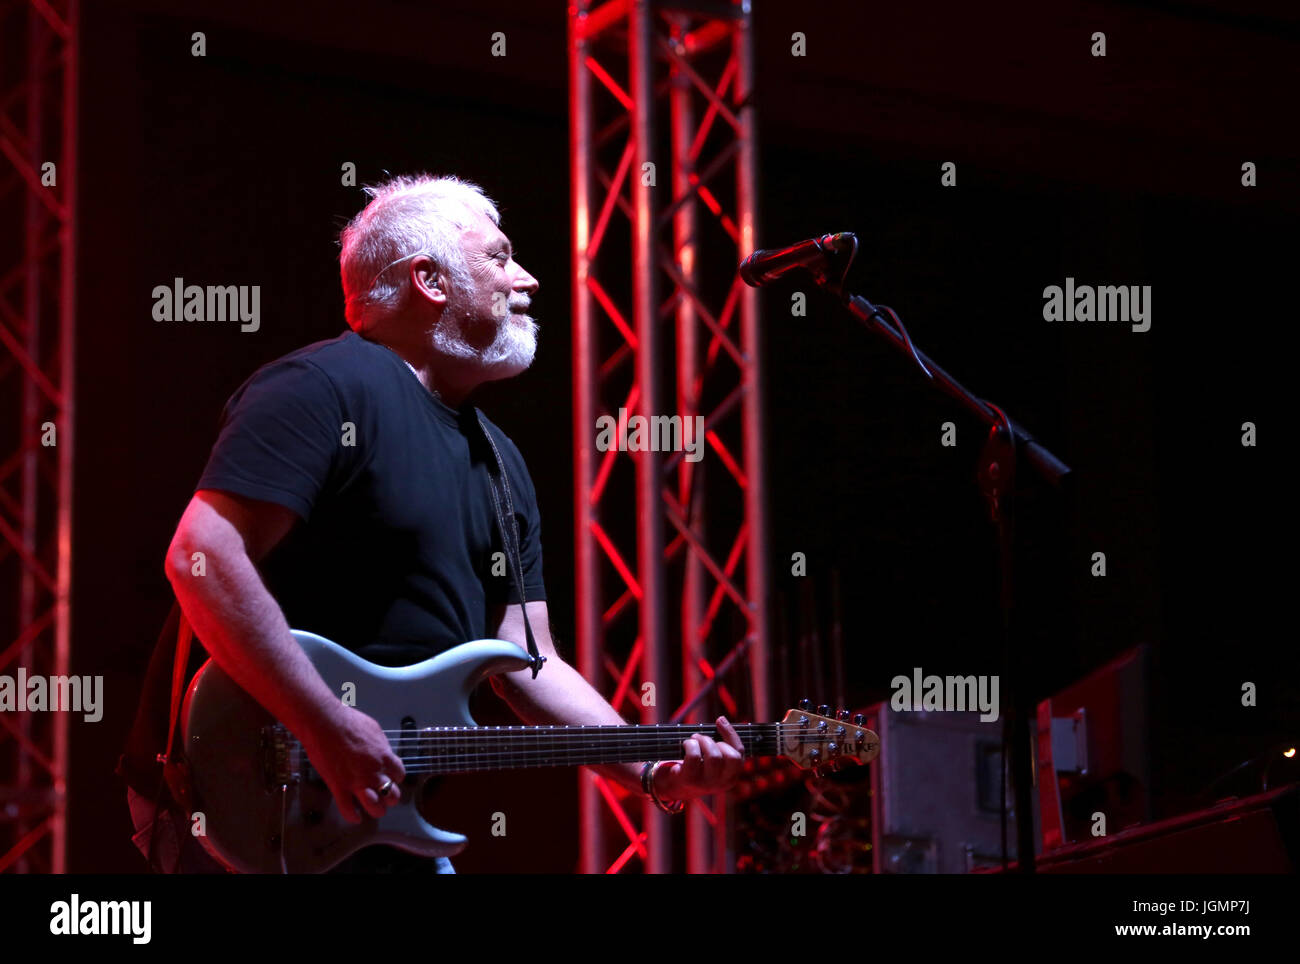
[[526, 282]]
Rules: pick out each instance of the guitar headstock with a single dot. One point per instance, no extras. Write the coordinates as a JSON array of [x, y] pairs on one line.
[[820, 739]]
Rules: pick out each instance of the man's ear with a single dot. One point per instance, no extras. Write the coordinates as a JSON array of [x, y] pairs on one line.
[[427, 276], [424, 276]]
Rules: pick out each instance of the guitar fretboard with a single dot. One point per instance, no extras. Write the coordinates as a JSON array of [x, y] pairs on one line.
[[465, 749]]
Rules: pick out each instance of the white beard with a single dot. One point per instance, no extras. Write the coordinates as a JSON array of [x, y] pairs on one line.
[[510, 352]]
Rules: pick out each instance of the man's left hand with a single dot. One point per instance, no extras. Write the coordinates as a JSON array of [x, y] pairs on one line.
[[707, 765]]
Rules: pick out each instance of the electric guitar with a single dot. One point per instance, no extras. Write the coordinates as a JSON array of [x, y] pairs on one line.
[[266, 810]]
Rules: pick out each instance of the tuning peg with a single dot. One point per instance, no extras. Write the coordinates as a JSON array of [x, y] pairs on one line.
[[842, 715], [859, 720], [805, 704], [823, 710]]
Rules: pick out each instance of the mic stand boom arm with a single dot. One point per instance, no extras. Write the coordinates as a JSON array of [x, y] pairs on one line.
[[1047, 465], [1006, 441]]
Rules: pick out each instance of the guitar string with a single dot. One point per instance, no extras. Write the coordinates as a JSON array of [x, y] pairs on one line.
[[462, 744], [446, 766], [461, 741], [571, 754], [566, 743], [453, 769], [452, 752], [670, 731], [631, 753], [460, 749], [602, 728], [613, 733]]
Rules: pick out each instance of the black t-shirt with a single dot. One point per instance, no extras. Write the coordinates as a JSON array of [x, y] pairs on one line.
[[394, 556]]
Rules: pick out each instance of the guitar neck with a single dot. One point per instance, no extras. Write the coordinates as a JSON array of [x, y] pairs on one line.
[[465, 749], [805, 738]]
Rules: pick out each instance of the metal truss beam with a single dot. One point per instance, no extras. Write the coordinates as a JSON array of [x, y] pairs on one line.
[[37, 271], [661, 215]]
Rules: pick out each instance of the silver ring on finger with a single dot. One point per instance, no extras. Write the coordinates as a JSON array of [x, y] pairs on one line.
[[384, 790]]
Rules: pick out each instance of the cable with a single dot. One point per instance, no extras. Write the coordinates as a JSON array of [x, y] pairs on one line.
[[907, 339]]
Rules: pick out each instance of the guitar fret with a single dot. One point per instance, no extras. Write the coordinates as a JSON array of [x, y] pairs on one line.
[[466, 749]]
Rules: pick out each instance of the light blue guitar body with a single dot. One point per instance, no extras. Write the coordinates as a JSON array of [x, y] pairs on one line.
[[262, 810]]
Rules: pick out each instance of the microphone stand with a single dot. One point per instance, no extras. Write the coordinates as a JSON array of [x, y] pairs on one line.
[[1007, 444]]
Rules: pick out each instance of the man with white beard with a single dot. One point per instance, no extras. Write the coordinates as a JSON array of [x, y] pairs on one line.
[[349, 495]]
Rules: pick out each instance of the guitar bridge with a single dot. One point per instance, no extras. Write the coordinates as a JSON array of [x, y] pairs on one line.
[[277, 756]]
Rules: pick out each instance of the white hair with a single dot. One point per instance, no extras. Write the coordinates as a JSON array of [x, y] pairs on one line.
[[406, 216]]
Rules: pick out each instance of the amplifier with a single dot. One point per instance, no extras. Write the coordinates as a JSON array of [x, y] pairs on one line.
[[936, 800]]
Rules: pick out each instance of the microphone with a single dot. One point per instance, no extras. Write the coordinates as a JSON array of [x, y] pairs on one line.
[[767, 265]]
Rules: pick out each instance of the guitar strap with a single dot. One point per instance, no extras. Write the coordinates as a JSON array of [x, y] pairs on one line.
[[175, 770], [505, 510], [174, 766]]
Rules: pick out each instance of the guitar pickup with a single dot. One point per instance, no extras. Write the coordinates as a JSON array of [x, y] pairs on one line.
[[277, 757]]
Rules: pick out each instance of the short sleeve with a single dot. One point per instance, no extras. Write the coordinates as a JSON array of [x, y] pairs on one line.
[[280, 437]]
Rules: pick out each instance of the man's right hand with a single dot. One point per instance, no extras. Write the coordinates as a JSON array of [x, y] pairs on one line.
[[244, 629], [352, 754]]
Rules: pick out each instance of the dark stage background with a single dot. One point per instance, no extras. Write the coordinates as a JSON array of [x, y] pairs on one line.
[[1122, 170]]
